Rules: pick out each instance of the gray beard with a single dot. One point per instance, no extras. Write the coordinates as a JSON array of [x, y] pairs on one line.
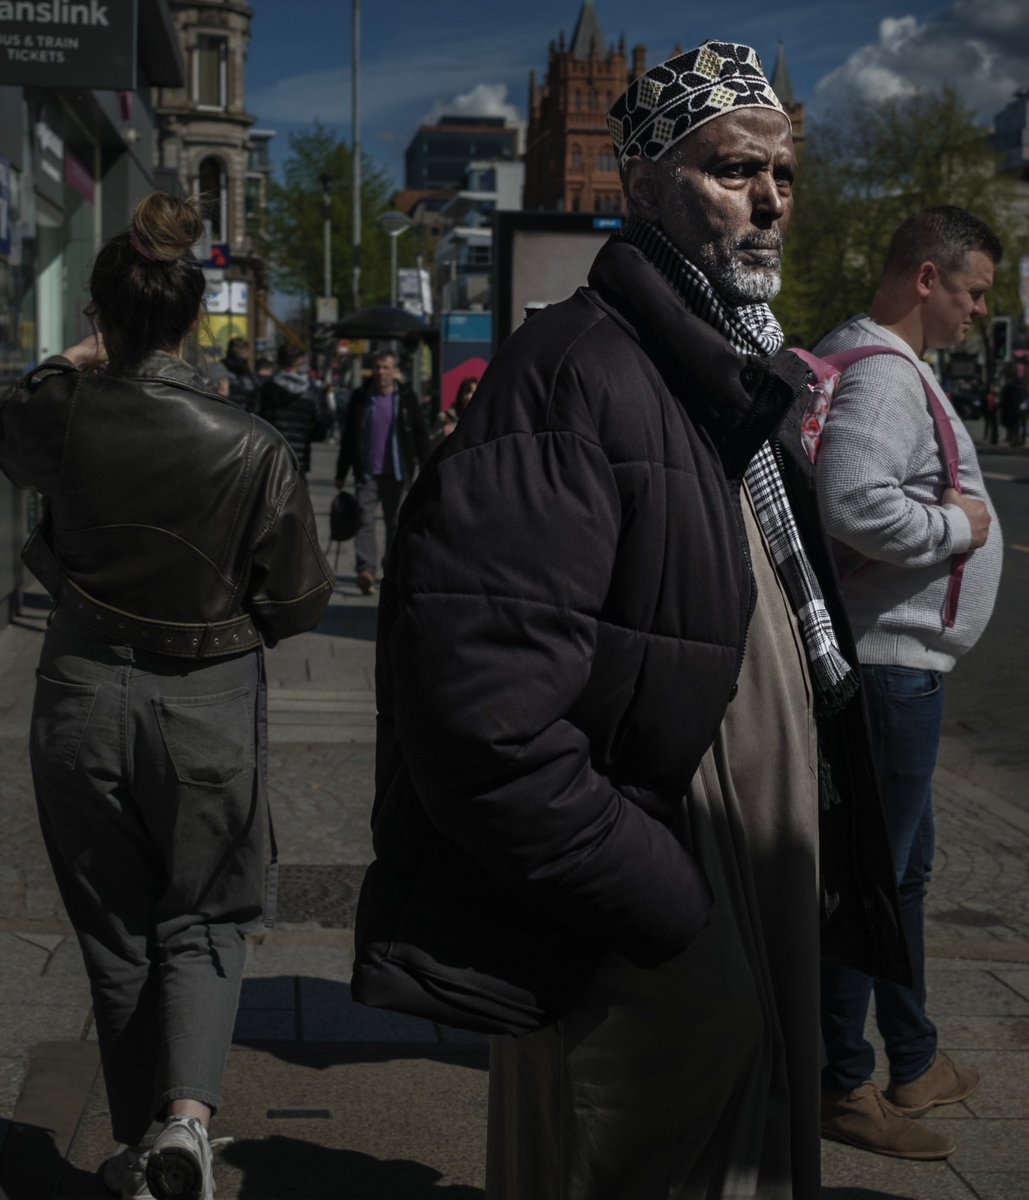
[[735, 283]]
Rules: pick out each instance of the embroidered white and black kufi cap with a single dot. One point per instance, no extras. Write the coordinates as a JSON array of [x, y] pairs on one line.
[[676, 97]]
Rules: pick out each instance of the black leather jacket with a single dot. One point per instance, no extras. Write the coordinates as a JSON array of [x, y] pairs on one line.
[[178, 519]]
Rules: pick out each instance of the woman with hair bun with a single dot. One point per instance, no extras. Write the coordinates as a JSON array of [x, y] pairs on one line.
[[176, 538]]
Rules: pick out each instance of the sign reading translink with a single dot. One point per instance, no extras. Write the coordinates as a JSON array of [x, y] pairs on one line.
[[80, 44]]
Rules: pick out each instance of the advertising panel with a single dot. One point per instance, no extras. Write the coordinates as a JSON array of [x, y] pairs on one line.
[[48, 151], [541, 258], [81, 44]]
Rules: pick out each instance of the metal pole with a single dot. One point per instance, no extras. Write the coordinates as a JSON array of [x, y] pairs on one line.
[[356, 140], [393, 270], [327, 214]]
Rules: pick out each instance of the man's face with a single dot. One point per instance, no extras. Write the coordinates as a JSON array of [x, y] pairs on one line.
[[384, 372], [724, 196], [953, 299]]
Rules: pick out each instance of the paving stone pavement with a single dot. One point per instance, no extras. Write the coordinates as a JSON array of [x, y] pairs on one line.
[[325, 1098]]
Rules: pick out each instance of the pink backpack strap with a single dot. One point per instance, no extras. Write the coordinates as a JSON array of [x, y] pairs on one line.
[[821, 368], [944, 431]]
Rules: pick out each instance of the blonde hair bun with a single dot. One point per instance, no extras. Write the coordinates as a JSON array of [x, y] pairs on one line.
[[167, 226]]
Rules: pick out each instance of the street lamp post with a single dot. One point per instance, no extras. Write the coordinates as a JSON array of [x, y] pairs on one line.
[[393, 224], [356, 145]]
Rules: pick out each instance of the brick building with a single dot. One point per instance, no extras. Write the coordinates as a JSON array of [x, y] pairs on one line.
[[570, 164]]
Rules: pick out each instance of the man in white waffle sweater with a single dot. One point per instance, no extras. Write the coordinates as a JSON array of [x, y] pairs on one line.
[[885, 498]]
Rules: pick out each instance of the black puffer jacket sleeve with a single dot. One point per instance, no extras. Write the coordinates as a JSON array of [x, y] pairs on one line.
[[487, 635]]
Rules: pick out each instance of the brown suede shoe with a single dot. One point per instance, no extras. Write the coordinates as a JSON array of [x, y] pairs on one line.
[[866, 1119], [943, 1083]]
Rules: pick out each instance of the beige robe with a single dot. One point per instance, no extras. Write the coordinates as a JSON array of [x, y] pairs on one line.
[[698, 1080]]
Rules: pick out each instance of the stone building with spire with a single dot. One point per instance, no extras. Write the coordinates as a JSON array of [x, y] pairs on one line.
[[782, 85], [570, 164]]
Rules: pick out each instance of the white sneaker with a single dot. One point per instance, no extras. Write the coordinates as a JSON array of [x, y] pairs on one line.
[[125, 1174], [179, 1165]]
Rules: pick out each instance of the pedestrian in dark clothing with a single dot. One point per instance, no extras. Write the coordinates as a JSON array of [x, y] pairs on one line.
[[384, 442], [1012, 396], [242, 384], [177, 538], [991, 416], [290, 402]]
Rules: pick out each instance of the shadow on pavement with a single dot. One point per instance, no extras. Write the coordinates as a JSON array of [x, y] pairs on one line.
[[849, 1193], [323, 1056], [317, 1023], [276, 1167], [351, 621], [31, 1168]]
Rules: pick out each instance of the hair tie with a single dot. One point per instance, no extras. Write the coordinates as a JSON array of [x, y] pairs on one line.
[[142, 250]]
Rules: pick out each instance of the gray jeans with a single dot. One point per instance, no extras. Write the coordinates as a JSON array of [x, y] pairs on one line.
[[384, 490], [150, 785]]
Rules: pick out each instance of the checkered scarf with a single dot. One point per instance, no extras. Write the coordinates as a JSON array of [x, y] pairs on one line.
[[753, 329]]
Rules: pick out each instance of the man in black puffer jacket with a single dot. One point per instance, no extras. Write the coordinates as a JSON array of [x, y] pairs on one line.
[[290, 402], [618, 716]]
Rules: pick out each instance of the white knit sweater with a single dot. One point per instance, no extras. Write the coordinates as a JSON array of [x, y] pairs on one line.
[[880, 478]]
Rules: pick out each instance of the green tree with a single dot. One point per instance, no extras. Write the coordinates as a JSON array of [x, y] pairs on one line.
[[295, 245], [864, 170]]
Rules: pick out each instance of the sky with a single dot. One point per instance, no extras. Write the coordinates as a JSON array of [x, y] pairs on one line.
[[423, 58]]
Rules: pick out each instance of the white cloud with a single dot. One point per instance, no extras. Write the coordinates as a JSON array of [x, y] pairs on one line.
[[979, 47], [390, 95], [484, 100]]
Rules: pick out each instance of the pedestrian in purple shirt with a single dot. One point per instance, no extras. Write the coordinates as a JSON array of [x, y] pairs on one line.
[[384, 442]]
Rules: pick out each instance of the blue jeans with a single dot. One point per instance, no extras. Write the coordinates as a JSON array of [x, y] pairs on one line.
[[905, 709]]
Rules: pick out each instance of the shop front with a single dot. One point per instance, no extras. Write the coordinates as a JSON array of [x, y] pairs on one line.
[[76, 153]]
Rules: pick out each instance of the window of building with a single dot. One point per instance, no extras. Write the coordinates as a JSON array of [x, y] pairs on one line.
[[482, 180], [210, 71], [576, 100], [255, 202], [594, 101], [576, 157], [576, 202], [606, 161], [212, 184], [478, 256]]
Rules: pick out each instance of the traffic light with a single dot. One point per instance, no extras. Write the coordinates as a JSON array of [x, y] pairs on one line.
[[1000, 339]]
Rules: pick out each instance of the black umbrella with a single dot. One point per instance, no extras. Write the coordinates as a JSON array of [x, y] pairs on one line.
[[384, 322]]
